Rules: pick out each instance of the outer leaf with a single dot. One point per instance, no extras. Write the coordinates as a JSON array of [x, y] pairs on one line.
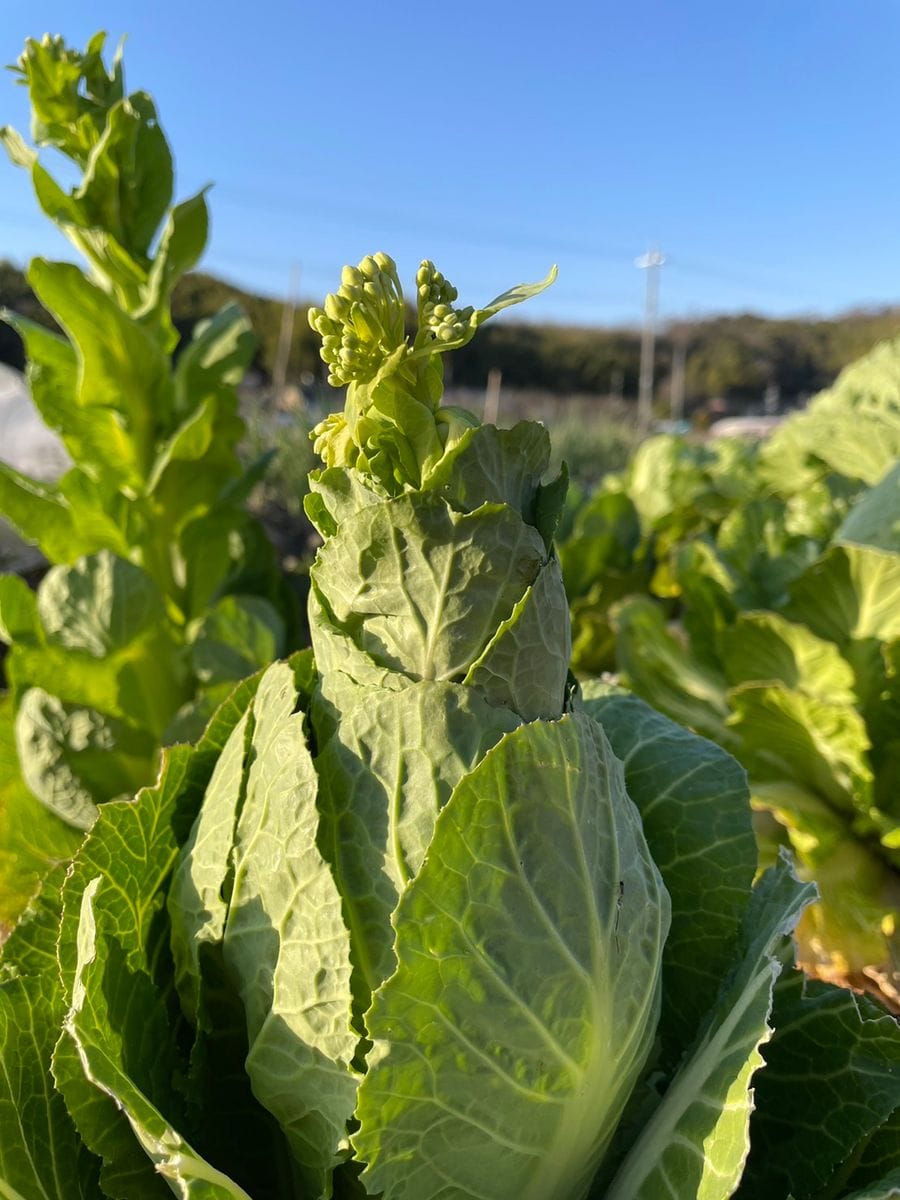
[[37, 513], [109, 1055], [764, 646], [696, 1142], [832, 1079], [384, 775], [41, 1155], [875, 519], [18, 612], [286, 943], [524, 1003], [852, 593], [32, 840], [659, 668], [694, 808], [100, 604], [786, 735], [66, 760], [204, 875], [133, 847], [238, 636]]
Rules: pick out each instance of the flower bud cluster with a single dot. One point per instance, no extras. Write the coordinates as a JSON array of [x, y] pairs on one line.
[[437, 316], [362, 322]]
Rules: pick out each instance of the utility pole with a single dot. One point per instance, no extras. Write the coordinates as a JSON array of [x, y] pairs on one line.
[[492, 396], [285, 337], [649, 262], [679, 358]]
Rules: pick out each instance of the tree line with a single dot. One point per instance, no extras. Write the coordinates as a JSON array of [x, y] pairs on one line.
[[734, 358]]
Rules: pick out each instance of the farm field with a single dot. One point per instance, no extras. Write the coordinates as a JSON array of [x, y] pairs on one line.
[[519, 840]]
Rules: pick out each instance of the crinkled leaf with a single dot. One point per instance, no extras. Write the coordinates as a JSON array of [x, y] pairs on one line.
[[422, 588], [99, 604], [285, 940], [525, 665]]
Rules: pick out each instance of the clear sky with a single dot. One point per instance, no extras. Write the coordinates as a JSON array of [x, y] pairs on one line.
[[755, 143]]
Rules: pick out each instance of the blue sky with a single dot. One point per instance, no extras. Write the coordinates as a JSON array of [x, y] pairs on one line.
[[755, 143]]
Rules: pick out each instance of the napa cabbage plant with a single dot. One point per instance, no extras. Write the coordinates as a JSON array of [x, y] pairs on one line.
[[162, 591], [417, 918]]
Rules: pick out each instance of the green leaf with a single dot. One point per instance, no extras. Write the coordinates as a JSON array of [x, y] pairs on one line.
[[875, 519], [180, 247], [385, 773], [500, 466], [695, 812], [41, 1155], [887, 1188], [204, 875], [285, 941], [658, 666], [422, 588], [32, 839], [763, 646], [697, 1140], [832, 1079], [36, 511], [74, 758], [525, 665], [20, 153], [238, 635], [850, 933], [123, 368], [852, 593], [117, 1030], [117, 882], [527, 988], [18, 611], [515, 295], [100, 604], [219, 352], [787, 735]]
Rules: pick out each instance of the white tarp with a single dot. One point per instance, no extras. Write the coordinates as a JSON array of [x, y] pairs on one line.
[[29, 446], [25, 442]]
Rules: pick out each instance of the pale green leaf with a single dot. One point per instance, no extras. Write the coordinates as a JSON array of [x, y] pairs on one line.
[[41, 1155], [526, 996], [285, 940], [875, 518], [763, 646], [385, 773], [697, 1140], [695, 813]]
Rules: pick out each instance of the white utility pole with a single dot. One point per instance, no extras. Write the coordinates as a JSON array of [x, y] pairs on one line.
[[492, 396], [679, 361], [649, 262]]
